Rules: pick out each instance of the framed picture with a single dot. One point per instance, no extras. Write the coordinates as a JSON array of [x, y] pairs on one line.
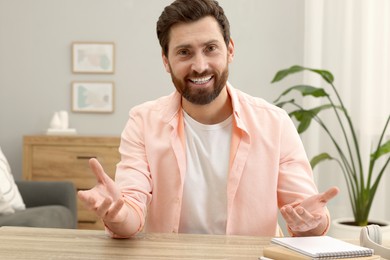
[[93, 97], [93, 57]]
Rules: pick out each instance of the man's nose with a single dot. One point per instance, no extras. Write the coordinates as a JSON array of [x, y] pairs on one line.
[[200, 63]]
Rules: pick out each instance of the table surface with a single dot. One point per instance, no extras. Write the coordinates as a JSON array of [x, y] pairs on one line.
[[48, 243], [45, 243]]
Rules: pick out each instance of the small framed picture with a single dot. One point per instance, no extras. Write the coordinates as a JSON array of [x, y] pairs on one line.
[[93, 57], [93, 97]]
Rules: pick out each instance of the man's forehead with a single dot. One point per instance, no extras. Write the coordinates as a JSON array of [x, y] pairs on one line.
[[199, 32]]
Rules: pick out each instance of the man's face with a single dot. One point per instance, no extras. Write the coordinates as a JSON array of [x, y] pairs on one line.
[[198, 60]]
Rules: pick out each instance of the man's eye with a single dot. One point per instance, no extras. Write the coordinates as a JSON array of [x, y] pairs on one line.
[[211, 48], [183, 52]]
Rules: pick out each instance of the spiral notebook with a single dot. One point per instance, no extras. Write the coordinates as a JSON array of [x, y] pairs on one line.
[[322, 247]]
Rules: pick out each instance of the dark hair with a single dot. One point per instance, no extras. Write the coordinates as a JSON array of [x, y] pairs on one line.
[[186, 11]]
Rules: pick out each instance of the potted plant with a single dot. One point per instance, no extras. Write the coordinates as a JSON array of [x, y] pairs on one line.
[[361, 184]]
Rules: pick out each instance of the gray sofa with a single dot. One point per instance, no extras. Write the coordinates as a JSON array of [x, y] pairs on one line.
[[48, 204]]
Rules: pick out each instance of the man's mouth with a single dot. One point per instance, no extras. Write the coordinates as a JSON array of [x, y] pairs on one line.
[[201, 81]]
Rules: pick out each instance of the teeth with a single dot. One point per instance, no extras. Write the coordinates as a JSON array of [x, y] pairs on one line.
[[201, 80]]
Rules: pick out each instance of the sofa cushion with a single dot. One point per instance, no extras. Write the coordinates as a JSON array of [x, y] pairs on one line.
[[44, 216], [8, 189], [5, 207]]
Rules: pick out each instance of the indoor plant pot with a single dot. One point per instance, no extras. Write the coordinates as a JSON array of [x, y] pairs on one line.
[[361, 184], [346, 228]]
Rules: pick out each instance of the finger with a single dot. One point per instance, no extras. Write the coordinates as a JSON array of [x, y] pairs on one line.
[[309, 221], [114, 210], [102, 209], [98, 170], [298, 219], [329, 194], [295, 216], [292, 218], [288, 214], [88, 201], [83, 195]]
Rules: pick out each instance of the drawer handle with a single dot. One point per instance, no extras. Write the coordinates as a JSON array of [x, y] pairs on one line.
[[85, 157]]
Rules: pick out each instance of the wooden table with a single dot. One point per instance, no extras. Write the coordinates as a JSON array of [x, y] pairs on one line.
[[43, 243]]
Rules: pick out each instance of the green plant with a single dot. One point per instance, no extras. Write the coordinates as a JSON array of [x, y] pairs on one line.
[[361, 185]]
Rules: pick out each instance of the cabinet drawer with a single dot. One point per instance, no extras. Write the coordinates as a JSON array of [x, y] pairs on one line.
[[71, 163]]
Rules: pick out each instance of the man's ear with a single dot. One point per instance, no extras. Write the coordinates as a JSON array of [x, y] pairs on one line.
[[165, 62], [230, 49]]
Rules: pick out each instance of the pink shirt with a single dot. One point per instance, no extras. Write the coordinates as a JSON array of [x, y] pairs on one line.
[[268, 165]]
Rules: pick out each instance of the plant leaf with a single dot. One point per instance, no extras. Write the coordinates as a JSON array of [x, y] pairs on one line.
[[319, 158], [281, 104], [305, 90], [326, 75], [318, 109], [304, 117], [281, 74], [382, 150]]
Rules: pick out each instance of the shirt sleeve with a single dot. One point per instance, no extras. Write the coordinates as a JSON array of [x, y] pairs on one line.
[[132, 172], [296, 181]]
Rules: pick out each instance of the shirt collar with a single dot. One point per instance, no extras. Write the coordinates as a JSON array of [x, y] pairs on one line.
[[172, 107]]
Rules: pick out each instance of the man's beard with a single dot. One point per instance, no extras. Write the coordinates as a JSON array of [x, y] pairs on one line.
[[201, 96]]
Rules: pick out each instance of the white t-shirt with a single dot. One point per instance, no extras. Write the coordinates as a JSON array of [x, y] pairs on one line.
[[204, 205]]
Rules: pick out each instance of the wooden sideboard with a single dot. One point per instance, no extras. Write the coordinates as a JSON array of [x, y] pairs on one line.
[[58, 158]]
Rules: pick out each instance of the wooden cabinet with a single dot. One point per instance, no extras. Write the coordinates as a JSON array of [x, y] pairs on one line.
[[54, 158]]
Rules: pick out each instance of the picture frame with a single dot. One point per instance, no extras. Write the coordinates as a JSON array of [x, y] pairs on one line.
[[93, 57], [92, 97]]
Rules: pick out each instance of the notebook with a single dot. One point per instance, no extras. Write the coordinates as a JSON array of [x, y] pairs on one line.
[[322, 247], [276, 252]]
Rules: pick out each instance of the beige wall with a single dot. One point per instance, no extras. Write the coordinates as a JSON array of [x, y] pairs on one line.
[[35, 60]]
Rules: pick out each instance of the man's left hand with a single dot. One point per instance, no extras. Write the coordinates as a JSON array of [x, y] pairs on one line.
[[308, 217]]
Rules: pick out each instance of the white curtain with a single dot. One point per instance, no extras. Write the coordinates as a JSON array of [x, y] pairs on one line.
[[351, 38]]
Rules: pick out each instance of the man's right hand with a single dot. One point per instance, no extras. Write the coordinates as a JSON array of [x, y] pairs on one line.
[[105, 198]]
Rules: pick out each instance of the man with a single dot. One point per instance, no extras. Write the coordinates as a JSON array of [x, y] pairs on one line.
[[207, 158]]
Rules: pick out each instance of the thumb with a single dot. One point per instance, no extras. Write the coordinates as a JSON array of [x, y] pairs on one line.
[[318, 201], [329, 194]]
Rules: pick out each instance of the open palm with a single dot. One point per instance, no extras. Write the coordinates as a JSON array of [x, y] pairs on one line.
[[105, 197], [309, 213]]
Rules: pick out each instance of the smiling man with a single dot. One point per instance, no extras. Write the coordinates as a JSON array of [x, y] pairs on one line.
[[208, 158], [197, 59]]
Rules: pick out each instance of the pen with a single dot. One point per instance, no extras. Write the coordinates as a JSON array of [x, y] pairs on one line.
[[264, 258]]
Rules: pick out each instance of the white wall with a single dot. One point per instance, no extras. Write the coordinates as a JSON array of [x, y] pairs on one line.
[[35, 58]]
